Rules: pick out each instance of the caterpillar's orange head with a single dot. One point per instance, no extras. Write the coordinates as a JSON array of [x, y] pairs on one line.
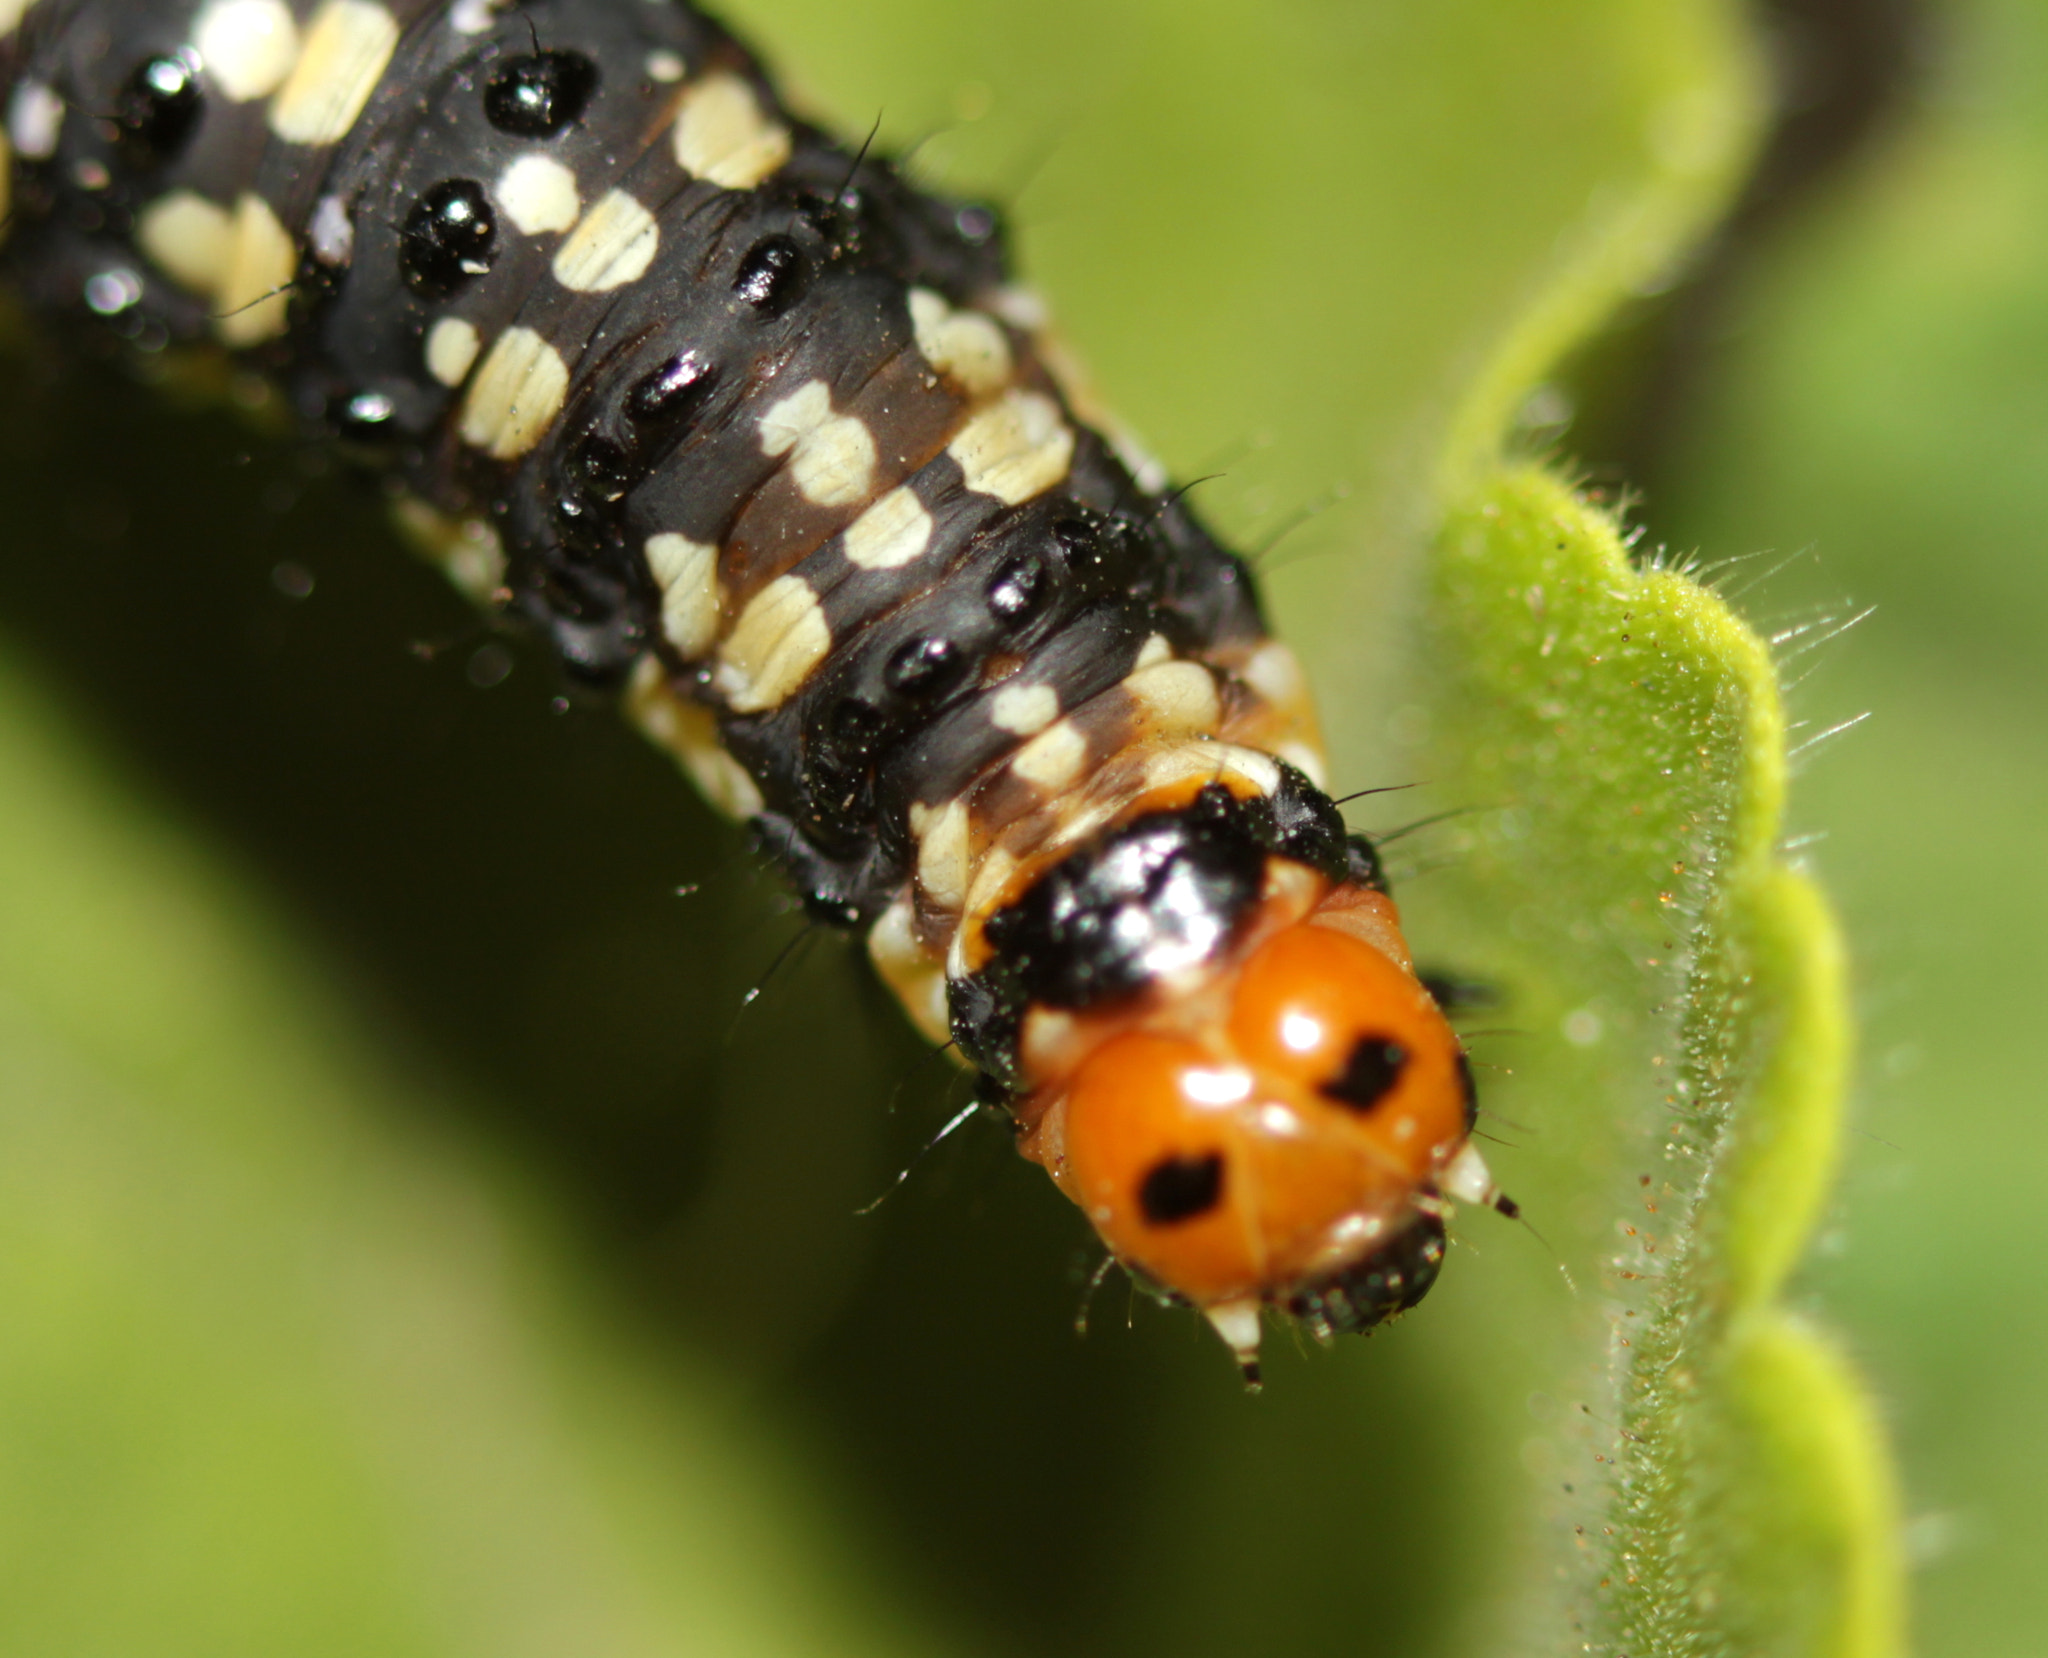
[[1284, 1134]]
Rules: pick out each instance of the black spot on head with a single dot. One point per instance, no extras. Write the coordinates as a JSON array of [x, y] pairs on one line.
[[925, 667], [1019, 590], [773, 276], [1180, 1188], [1369, 1075], [157, 109], [672, 393], [449, 236], [602, 468], [538, 95]]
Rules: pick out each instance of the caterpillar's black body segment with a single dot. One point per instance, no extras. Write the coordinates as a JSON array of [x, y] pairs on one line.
[[759, 434]]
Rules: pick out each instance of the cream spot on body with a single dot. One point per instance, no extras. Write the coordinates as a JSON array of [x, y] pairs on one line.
[[262, 263], [614, 245], [686, 571], [1178, 697], [1054, 759], [468, 550], [348, 46], [189, 238], [248, 47], [918, 981], [516, 394], [1015, 449], [943, 853], [689, 731], [992, 878], [778, 639], [831, 456], [1024, 709], [723, 135], [965, 346], [452, 345], [538, 194], [893, 532]]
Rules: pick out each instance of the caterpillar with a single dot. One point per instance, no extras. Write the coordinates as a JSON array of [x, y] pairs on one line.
[[766, 442]]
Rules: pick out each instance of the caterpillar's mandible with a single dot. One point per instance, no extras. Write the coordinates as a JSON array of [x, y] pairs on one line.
[[758, 434]]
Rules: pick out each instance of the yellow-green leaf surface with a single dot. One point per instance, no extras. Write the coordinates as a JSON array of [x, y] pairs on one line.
[[442, 1268]]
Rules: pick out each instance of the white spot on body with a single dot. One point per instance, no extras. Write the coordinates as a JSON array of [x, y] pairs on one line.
[[892, 533], [614, 245], [686, 571], [832, 456], [348, 46], [943, 853], [1015, 449], [1054, 758], [473, 17], [332, 234], [538, 194], [723, 135], [665, 67], [262, 263], [1154, 651], [247, 47], [965, 346], [452, 345], [35, 116], [11, 14], [189, 237], [1024, 709], [777, 640], [516, 393], [689, 731]]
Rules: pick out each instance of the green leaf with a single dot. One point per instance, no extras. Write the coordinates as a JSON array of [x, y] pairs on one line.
[[1631, 895]]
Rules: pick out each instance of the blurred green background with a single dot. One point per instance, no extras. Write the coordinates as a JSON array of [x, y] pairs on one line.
[[406, 1247]]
